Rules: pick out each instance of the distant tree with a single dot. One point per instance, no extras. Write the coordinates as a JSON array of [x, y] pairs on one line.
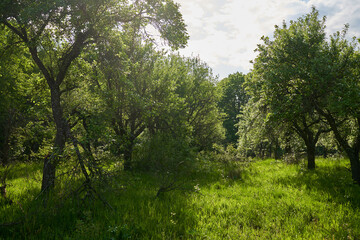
[[232, 102], [183, 118], [185, 101], [126, 62], [258, 137], [56, 32]]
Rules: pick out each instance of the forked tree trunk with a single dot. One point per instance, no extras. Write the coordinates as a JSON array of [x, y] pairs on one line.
[[54, 82], [310, 139]]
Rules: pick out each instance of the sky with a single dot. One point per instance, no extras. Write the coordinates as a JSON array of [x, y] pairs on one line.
[[225, 33]]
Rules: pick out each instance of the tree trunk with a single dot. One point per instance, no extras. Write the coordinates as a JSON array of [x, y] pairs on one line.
[[277, 150], [4, 144], [310, 139], [4, 152], [310, 147], [50, 163], [270, 151], [351, 152], [128, 156], [355, 164]]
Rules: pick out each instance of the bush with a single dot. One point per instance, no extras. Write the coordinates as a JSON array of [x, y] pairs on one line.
[[233, 165], [167, 157]]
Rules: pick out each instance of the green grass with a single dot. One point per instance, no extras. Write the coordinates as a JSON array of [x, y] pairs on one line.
[[265, 200]]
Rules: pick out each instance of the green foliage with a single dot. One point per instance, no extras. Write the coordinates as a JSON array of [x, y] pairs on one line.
[[144, 90], [24, 117], [163, 154], [293, 75], [290, 65], [258, 136], [173, 31], [114, 95], [170, 159], [232, 102], [230, 163], [185, 101], [56, 33]]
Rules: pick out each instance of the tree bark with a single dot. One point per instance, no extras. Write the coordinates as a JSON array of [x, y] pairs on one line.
[[50, 163], [4, 143], [310, 147], [128, 156], [351, 151], [310, 139], [4, 152], [354, 163], [277, 150], [54, 82], [270, 150]]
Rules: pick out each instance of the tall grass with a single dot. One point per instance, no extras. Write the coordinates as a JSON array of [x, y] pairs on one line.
[[264, 200]]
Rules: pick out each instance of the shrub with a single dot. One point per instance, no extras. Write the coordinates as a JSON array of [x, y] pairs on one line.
[[167, 157]]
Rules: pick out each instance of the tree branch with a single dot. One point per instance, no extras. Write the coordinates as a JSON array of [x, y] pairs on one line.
[[72, 54]]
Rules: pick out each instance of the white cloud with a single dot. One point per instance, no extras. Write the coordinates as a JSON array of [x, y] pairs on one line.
[[224, 33]]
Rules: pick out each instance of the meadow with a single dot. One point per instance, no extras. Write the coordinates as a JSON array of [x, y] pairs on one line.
[[258, 199]]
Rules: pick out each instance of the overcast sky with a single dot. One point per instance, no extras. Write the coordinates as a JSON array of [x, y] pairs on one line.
[[224, 33]]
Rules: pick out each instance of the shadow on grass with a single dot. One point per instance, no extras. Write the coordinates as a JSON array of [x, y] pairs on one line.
[[137, 213], [335, 181], [21, 170]]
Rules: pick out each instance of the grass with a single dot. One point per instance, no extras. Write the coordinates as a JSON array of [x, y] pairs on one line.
[[265, 200]]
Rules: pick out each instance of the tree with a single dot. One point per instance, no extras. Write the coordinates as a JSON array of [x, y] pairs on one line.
[[185, 101], [232, 102], [10, 97], [338, 91], [284, 75], [56, 32], [127, 65], [18, 105], [182, 117], [145, 90], [258, 137]]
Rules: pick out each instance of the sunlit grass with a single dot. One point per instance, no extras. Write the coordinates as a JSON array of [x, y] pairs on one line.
[[281, 201], [268, 200]]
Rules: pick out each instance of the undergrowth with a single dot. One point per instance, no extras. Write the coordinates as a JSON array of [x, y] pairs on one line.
[[232, 200]]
